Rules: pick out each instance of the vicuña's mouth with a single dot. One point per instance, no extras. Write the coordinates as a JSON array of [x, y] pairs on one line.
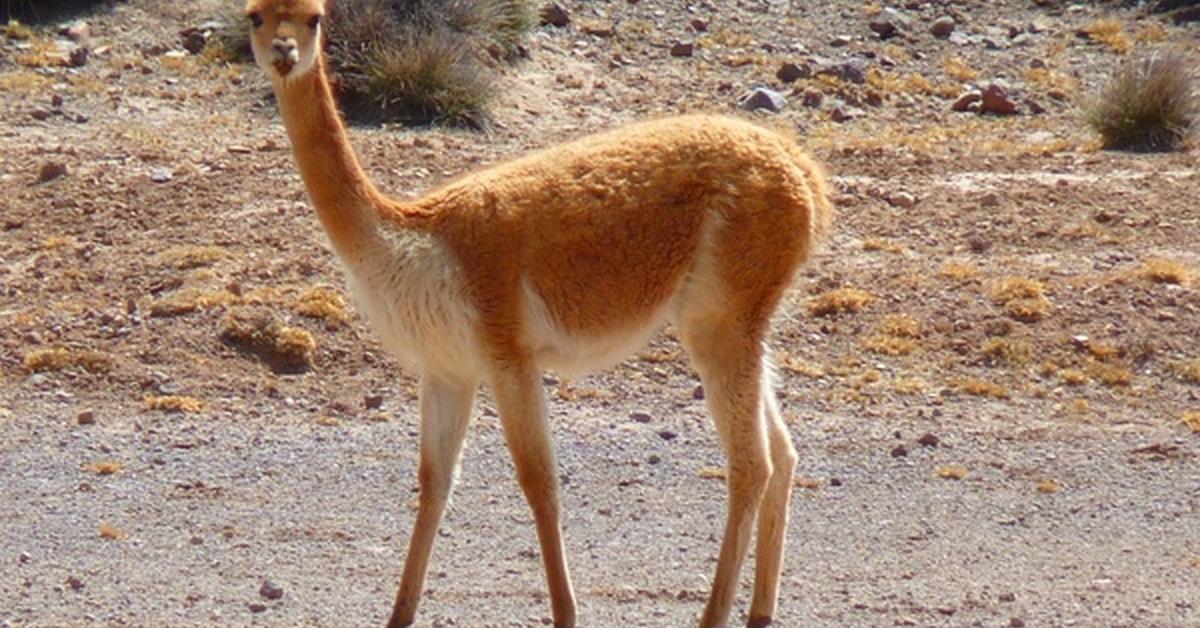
[[283, 67]]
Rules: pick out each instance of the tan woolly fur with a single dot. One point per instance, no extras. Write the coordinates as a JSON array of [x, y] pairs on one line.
[[568, 259]]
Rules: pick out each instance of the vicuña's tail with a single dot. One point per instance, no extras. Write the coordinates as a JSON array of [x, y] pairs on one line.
[[822, 210]]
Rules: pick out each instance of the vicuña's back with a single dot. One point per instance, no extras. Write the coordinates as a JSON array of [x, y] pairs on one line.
[[568, 259]]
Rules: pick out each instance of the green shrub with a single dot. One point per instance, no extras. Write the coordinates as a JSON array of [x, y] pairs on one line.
[[1147, 105], [417, 62]]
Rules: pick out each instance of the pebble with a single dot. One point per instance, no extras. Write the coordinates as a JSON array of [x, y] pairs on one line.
[[964, 102], [888, 23], [667, 435], [555, 14], [24, 558], [942, 27], [161, 175], [698, 392], [87, 417], [928, 440], [852, 70], [373, 402], [256, 607], [51, 170], [1016, 622], [813, 99], [75, 583], [899, 451], [699, 25], [270, 590], [1008, 597], [77, 31], [683, 49], [763, 98], [790, 72], [640, 417], [901, 199], [840, 40]]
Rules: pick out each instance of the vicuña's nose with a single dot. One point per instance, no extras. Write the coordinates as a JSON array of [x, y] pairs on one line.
[[285, 48]]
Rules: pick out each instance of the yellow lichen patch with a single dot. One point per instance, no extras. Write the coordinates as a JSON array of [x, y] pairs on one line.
[[950, 471], [1022, 298], [1189, 370], [839, 301], [712, 473], [191, 256], [1048, 486], [883, 244], [958, 271], [322, 304], [256, 329], [909, 385], [173, 403], [981, 388], [792, 364], [104, 467], [959, 70], [112, 533], [1110, 374], [1192, 420], [1073, 377], [1008, 350], [59, 358], [1165, 271], [1111, 33]]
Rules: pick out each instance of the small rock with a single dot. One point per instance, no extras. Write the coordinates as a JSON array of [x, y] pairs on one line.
[[87, 417], [947, 610], [257, 607], [1057, 94], [373, 402], [840, 41], [76, 31], [942, 27], [161, 175], [196, 540], [40, 114], [790, 72], [763, 98], [79, 56], [51, 170], [928, 440], [1037, 64], [640, 417], [888, 23], [699, 25], [698, 392], [24, 558], [75, 583], [1034, 106], [599, 28], [653, 459], [1008, 597], [899, 451], [991, 199], [965, 101], [835, 481], [194, 40], [1016, 622], [813, 99], [979, 244], [851, 71], [995, 100], [555, 14], [667, 435], [901, 199], [56, 101], [683, 49], [271, 591], [842, 113]]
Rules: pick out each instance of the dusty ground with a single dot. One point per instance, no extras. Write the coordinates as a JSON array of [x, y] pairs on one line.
[[1080, 503]]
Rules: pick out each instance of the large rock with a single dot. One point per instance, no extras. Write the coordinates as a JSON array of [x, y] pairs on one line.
[[763, 98], [889, 22], [995, 99], [942, 27], [851, 70], [791, 72], [964, 102], [555, 14]]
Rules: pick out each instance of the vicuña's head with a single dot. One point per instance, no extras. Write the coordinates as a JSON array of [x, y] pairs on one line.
[[285, 35]]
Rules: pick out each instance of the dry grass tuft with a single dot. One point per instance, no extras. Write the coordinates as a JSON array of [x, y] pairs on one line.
[[322, 304], [959, 70], [190, 256], [897, 334], [885, 245], [257, 331], [712, 473], [1109, 32], [173, 403], [1048, 486], [1150, 33], [1192, 420], [807, 483], [112, 533], [901, 326], [1165, 271], [838, 301], [981, 388], [792, 364], [104, 467], [1012, 351], [1148, 104], [1189, 370], [1110, 374], [950, 471], [1073, 377], [909, 385], [1023, 299], [959, 271], [60, 358], [1046, 79], [190, 300], [1102, 351]]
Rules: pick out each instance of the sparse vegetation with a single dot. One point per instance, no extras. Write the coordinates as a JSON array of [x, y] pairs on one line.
[[1165, 271], [1109, 32], [112, 532], [60, 358], [1189, 370], [322, 304], [1192, 420], [950, 471], [839, 301], [1007, 350], [1148, 104], [105, 467], [1023, 299], [173, 403], [258, 331], [416, 62], [980, 388]]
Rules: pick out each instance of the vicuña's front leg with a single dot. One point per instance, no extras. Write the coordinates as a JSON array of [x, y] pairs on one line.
[[445, 413], [522, 407]]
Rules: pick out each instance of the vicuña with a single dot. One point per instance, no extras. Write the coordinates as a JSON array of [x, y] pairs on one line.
[[569, 259]]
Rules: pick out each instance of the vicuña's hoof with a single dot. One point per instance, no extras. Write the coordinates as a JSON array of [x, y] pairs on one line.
[[758, 622]]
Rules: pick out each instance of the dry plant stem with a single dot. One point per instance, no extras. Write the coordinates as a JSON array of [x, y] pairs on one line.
[[569, 259]]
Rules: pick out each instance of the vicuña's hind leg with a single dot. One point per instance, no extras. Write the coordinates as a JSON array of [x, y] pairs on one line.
[[445, 413], [522, 405], [727, 355], [773, 513]]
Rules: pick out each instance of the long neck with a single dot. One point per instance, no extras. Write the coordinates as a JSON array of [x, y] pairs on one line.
[[341, 193]]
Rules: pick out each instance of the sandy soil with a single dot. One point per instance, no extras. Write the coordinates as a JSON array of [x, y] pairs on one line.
[[1079, 496]]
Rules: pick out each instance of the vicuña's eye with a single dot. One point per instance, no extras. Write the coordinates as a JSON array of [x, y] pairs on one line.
[[314, 22], [255, 19]]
